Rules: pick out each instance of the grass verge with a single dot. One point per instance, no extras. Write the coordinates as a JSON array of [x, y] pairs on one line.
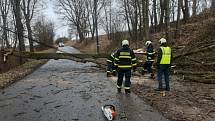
[[21, 71]]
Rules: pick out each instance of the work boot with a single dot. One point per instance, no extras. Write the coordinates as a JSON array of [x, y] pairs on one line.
[[127, 91], [143, 72], [108, 74], [119, 90], [114, 73], [158, 89], [167, 89], [152, 76]]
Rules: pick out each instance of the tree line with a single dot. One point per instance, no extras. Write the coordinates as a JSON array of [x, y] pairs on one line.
[[21, 23], [137, 17], [86, 19]]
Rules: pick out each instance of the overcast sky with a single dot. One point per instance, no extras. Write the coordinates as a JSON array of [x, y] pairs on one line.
[[60, 28]]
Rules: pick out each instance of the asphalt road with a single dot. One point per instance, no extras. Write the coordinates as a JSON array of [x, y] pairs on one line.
[[64, 90]]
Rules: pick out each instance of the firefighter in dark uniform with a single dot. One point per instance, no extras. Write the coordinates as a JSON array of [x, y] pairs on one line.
[[110, 65], [125, 61], [150, 53]]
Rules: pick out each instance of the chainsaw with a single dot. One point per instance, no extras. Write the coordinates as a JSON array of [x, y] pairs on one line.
[[109, 112]]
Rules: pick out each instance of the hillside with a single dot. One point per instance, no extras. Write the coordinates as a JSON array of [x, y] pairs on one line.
[[193, 47], [192, 95]]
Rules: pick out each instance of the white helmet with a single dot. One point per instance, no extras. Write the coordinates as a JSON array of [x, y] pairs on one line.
[[162, 40], [125, 42], [148, 43]]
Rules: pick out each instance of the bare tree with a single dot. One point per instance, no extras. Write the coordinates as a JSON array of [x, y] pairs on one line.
[[167, 18], [155, 14], [146, 18], [180, 2], [75, 12], [213, 6], [132, 13], [107, 19], [28, 9], [194, 7], [162, 9], [118, 26], [185, 9], [44, 32], [90, 17], [4, 9], [19, 26], [172, 9], [96, 24], [127, 16]]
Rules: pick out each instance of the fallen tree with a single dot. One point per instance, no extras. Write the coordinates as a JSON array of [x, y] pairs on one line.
[[195, 51], [75, 57], [206, 80]]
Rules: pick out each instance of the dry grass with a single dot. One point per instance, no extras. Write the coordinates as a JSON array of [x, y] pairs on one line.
[[90, 46], [19, 72], [51, 50]]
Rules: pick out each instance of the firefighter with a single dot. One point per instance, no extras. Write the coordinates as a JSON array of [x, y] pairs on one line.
[[164, 61], [147, 66], [110, 65], [125, 61]]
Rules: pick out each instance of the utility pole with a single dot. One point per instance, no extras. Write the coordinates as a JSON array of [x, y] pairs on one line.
[[96, 26]]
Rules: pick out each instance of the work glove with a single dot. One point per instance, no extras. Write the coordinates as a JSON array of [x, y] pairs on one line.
[[158, 66], [108, 74], [134, 69], [114, 73], [116, 68]]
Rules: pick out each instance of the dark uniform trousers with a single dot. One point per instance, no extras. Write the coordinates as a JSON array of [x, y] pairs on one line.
[[127, 74], [149, 61], [125, 61], [148, 66], [110, 65]]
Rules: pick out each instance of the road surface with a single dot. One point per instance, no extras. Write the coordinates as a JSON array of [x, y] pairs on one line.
[[64, 90]]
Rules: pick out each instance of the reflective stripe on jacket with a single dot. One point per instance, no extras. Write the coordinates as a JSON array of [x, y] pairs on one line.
[[150, 53], [110, 62], [125, 58], [110, 59]]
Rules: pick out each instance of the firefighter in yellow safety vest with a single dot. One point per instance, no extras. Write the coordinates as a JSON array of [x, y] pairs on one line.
[[164, 61]]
